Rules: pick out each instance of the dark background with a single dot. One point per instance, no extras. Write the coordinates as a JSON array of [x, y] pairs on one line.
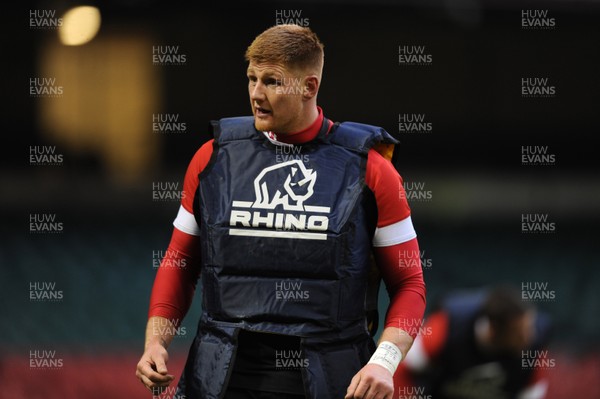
[[470, 162]]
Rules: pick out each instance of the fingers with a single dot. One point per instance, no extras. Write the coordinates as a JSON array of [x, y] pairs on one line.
[[155, 388], [352, 387], [369, 384], [366, 391], [152, 371], [160, 364], [362, 391], [358, 388], [382, 395], [145, 369]]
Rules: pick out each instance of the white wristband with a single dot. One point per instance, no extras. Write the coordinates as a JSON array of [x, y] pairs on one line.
[[387, 355]]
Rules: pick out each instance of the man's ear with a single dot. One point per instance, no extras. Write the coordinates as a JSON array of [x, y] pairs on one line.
[[310, 86]]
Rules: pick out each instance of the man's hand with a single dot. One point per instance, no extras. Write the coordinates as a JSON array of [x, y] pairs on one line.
[[152, 369], [374, 381], [371, 382]]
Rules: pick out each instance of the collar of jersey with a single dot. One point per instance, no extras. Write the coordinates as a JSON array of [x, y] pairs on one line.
[[310, 132]]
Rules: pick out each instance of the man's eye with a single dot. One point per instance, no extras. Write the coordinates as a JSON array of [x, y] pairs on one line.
[[252, 79], [272, 82]]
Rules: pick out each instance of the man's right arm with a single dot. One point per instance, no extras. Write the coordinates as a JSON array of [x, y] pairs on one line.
[[171, 298], [175, 282]]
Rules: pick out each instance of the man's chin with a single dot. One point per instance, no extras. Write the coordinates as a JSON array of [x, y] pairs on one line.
[[262, 125]]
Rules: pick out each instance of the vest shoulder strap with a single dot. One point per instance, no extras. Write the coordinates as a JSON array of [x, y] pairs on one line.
[[230, 129], [359, 137]]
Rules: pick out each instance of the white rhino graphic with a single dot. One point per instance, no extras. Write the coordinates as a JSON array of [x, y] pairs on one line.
[[290, 192]]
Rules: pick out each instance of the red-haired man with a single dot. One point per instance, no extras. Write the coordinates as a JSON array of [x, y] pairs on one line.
[[282, 213]]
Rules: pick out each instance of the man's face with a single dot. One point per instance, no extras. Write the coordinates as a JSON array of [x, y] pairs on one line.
[[276, 97]]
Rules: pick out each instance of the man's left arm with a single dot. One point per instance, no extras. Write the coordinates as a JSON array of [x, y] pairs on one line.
[[398, 257]]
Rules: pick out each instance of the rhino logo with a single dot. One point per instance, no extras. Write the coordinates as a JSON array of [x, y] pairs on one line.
[[286, 185], [289, 192]]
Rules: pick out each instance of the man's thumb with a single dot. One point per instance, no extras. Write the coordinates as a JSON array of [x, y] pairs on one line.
[[161, 366]]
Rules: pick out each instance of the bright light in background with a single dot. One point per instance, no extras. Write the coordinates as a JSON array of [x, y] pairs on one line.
[[80, 25], [113, 91]]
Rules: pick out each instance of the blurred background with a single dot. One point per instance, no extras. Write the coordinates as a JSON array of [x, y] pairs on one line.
[[495, 104]]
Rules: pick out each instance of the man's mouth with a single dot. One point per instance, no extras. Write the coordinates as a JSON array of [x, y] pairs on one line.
[[262, 112]]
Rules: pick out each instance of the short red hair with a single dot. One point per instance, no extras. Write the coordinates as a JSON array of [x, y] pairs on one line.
[[293, 46]]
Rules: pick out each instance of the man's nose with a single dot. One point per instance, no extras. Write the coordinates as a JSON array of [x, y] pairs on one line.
[[257, 92]]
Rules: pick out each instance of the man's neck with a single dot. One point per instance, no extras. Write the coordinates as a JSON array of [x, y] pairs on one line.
[[305, 135]]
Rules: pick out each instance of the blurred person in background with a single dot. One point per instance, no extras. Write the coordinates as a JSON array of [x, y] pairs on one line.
[[483, 344], [281, 214]]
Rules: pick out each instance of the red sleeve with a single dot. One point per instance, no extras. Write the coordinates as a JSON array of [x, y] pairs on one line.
[[190, 182], [176, 278], [385, 182], [400, 267], [396, 250]]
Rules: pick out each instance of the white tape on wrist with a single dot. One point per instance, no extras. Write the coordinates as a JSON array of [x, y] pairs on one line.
[[387, 355]]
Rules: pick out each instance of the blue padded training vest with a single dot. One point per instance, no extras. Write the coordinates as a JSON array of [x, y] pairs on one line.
[[286, 237]]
